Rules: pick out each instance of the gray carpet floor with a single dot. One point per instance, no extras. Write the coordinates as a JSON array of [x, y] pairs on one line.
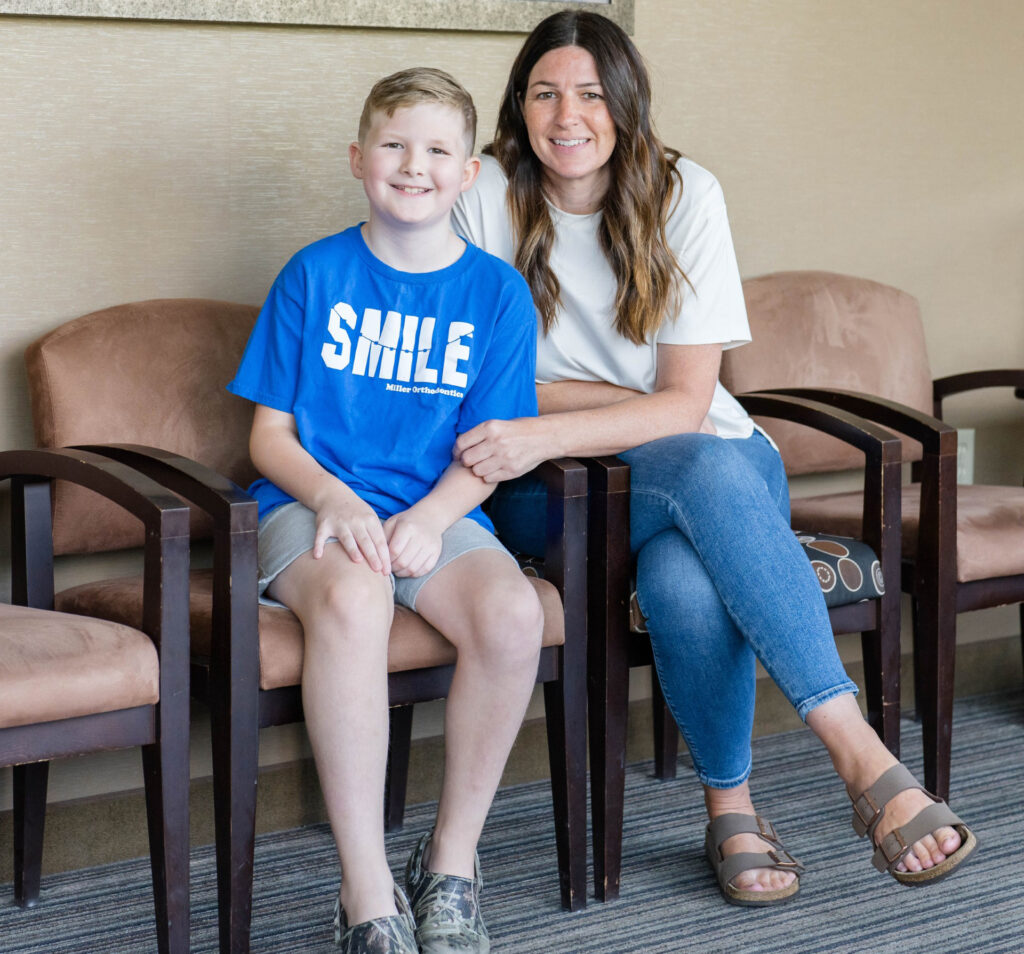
[[669, 902]]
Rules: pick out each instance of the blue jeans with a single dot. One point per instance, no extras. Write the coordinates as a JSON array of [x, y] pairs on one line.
[[723, 583]]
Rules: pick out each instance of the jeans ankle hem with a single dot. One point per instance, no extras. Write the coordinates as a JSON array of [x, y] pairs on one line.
[[826, 696], [710, 781]]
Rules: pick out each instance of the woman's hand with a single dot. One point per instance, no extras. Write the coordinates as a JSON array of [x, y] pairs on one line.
[[357, 527], [414, 542], [501, 450]]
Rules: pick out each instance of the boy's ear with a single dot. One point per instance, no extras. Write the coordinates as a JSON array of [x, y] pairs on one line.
[[355, 159], [470, 172]]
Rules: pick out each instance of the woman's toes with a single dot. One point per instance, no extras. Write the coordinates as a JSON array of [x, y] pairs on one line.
[[782, 879], [948, 840], [926, 851], [763, 879]]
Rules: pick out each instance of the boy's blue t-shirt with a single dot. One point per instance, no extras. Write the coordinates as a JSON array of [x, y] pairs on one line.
[[383, 369]]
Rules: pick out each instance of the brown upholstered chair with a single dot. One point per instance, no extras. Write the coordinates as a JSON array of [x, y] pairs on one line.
[[71, 685], [860, 345], [862, 595], [154, 373]]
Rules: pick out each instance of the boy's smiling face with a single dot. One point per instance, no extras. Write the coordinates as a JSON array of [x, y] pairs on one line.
[[413, 164]]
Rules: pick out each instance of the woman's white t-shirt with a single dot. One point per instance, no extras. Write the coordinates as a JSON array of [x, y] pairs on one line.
[[583, 345]]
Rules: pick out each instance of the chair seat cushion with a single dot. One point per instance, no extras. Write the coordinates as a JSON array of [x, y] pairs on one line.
[[414, 643], [57, 666], [989, 525]]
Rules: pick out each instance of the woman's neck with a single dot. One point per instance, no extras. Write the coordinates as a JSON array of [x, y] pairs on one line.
[[577, 196]]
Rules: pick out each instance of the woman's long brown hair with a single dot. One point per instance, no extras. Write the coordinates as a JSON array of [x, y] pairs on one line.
[[643, 180]]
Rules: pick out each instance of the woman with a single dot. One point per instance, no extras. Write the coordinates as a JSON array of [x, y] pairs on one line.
[[627, 249]]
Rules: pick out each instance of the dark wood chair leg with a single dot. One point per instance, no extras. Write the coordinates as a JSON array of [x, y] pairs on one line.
[[1022, 630], [396, 781], [567, 750], [29, 820], [235, 742], [919, 692], [608, 571], [166, 771], [881, 684], [935, 651], [666, 733]]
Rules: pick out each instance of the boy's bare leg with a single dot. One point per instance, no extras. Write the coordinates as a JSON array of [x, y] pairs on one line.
[[489, 610], [346, 611]]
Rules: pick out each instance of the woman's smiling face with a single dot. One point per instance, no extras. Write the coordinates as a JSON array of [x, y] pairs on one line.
[[570, 128]]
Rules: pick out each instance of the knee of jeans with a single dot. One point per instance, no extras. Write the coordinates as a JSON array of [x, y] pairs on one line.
[[688, 465], [673, 586]]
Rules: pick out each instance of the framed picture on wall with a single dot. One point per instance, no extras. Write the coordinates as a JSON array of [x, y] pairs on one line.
[[477, 15]]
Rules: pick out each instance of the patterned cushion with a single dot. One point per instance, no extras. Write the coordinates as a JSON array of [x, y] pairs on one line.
[[847, 569]]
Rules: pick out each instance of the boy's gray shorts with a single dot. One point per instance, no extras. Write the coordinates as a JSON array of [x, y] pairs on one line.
[[289, 530]]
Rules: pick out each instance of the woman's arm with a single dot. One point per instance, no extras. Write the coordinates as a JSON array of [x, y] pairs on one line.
[[580, 395], [279, 456], [580, 419]]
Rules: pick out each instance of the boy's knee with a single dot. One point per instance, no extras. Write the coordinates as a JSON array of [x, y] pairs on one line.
[[510, 623], [355, 607]]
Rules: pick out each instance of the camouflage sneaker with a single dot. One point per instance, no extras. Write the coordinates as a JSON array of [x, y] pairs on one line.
[[446, 908], [390, 935]]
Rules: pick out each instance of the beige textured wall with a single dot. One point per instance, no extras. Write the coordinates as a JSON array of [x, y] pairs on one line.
[[875, 137], [883, 139]]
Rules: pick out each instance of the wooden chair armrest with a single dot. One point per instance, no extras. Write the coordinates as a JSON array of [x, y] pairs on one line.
[[235, 611], [937, 468], [231, 508], [936, 438], [166, 521], [975, 380], [881, 519]]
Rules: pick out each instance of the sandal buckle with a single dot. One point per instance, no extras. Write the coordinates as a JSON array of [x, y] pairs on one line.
[[894, 838], [866, 811], [766, 829], [782, 858]]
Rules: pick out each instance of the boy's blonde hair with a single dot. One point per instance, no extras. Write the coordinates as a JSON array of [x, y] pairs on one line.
[[421, 84]]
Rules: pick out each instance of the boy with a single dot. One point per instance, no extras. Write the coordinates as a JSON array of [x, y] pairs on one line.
[[375, 349]]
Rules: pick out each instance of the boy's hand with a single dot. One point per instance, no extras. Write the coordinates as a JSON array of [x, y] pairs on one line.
[[357, 527], [414, 542]]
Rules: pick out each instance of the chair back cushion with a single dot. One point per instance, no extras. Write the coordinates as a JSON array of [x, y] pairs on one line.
[[819, 329], [154, 373]]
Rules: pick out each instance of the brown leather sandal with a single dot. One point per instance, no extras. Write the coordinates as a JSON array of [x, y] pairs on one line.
[[869, 809], [726, 867]]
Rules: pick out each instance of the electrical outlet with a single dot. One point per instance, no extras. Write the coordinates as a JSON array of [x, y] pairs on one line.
[[965, 455]]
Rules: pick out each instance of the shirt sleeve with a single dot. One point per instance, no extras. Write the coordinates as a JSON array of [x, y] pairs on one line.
[[505, 387], [269, 370], [466, 216], [480, 215], [712, 309]]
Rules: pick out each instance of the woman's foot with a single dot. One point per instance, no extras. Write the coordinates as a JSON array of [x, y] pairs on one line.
[[737, 801], [931, 850], [861, 760]]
